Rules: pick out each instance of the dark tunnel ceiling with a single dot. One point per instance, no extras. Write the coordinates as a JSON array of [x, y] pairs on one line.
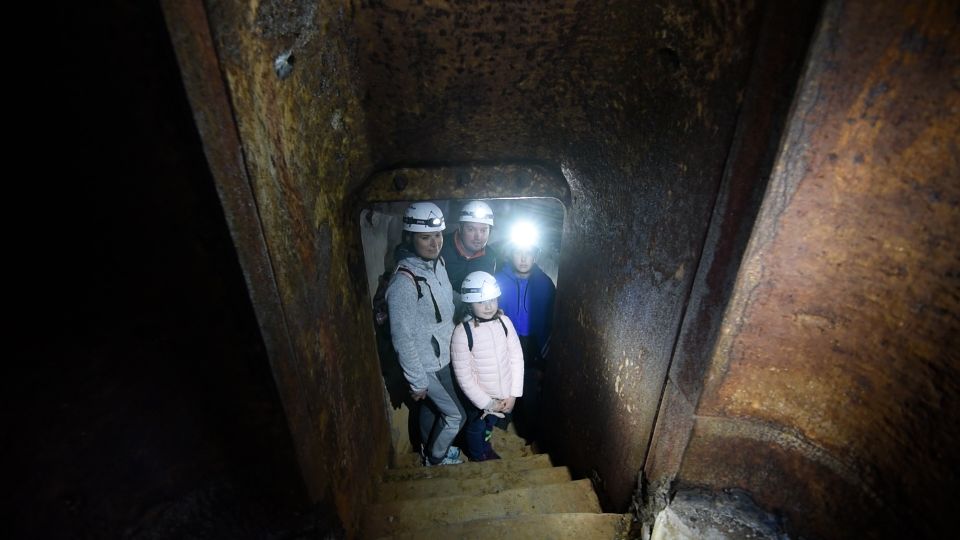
[[532, 80]]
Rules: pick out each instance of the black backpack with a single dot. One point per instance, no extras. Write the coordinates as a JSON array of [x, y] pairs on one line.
[[381, 312]]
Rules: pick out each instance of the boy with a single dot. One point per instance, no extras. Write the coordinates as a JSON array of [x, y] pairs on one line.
[[527, 296]]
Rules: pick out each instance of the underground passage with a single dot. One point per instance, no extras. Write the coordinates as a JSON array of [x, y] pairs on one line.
[[747, 214]]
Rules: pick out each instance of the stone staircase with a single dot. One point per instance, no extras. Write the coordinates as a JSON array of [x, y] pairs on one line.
[[518, 497]]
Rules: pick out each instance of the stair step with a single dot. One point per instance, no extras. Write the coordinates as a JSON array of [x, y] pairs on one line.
[[577, 526], [466, 470], [404, 516], [506, 442], [490, 483], [509, 444], [507, 448]]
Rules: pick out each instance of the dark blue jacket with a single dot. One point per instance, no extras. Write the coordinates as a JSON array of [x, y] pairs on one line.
[[458, 265], [532, 303]]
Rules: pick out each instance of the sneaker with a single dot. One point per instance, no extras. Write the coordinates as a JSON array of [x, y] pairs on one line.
[[486, 455], [446, 461], [453, 453]]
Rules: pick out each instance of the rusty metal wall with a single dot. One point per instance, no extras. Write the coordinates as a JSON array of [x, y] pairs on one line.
[[777, 64], [832, 393], [286, 150], [634, 105]]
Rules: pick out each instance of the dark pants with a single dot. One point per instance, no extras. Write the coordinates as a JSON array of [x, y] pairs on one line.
[[479, 431], [528, 408]]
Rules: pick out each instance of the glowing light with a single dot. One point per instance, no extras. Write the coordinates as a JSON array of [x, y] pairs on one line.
[[472, 291], [524, 235]]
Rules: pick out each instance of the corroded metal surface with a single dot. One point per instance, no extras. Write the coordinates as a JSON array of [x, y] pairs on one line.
[[189, 31], [634, 103], [776, 468], [640, 191], [284, 180], [777, 63], [838, 355], [477, 181]]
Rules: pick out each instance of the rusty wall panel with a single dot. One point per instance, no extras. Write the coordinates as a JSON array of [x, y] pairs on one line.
[[190, 34], [839, 350], [480, 181], [289, 80], [644, 182], [777, 64]]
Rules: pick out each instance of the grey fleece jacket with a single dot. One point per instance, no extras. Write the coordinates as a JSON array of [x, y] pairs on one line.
[[422, 344]]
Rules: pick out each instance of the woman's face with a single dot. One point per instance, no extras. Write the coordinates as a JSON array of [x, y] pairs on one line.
[[428, 244]]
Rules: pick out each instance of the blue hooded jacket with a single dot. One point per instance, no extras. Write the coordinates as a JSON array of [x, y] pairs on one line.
[[528, 303]]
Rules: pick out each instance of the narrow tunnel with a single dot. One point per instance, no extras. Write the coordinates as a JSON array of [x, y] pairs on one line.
[[757, 268], [755, 292]]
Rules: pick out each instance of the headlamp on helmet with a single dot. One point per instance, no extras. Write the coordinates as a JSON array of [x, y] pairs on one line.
[[423, 217], [479, 287], [524, 235], [477, 212]]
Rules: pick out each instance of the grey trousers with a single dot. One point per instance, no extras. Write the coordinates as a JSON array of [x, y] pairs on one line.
[[442, 417]]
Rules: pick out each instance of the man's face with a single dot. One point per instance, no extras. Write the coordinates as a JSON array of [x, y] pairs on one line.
[[474, 236], [523, 260], [428, 244]]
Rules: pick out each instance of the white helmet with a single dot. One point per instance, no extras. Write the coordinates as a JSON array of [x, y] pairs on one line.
[[479, 287], [423, 217], [477, 212]]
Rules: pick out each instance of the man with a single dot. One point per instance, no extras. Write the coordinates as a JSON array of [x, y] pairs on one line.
[[466, 250]]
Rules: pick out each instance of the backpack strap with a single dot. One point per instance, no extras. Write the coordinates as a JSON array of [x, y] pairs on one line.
[[417, 280], [466, 328], [413, 277]]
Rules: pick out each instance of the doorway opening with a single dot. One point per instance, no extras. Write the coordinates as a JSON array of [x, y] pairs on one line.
[[381, 226]]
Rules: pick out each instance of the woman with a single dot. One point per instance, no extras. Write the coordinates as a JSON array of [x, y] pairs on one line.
[[420, 306]]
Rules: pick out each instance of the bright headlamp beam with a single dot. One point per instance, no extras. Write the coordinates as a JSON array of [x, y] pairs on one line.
[[524, 235]]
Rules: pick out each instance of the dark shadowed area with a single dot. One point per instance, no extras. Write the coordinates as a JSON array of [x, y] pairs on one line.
[[141, 402]]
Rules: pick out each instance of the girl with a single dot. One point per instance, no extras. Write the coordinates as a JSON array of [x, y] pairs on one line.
[[487, 361]]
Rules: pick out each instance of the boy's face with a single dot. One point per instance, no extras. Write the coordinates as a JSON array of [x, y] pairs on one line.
[[523, 261], [428, 244], [474, 236], [486, 309]]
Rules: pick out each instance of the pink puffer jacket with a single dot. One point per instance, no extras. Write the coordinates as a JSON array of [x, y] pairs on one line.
[[494, 368]]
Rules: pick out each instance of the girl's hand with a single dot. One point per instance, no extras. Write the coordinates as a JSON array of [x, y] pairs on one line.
[[508, 404]]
